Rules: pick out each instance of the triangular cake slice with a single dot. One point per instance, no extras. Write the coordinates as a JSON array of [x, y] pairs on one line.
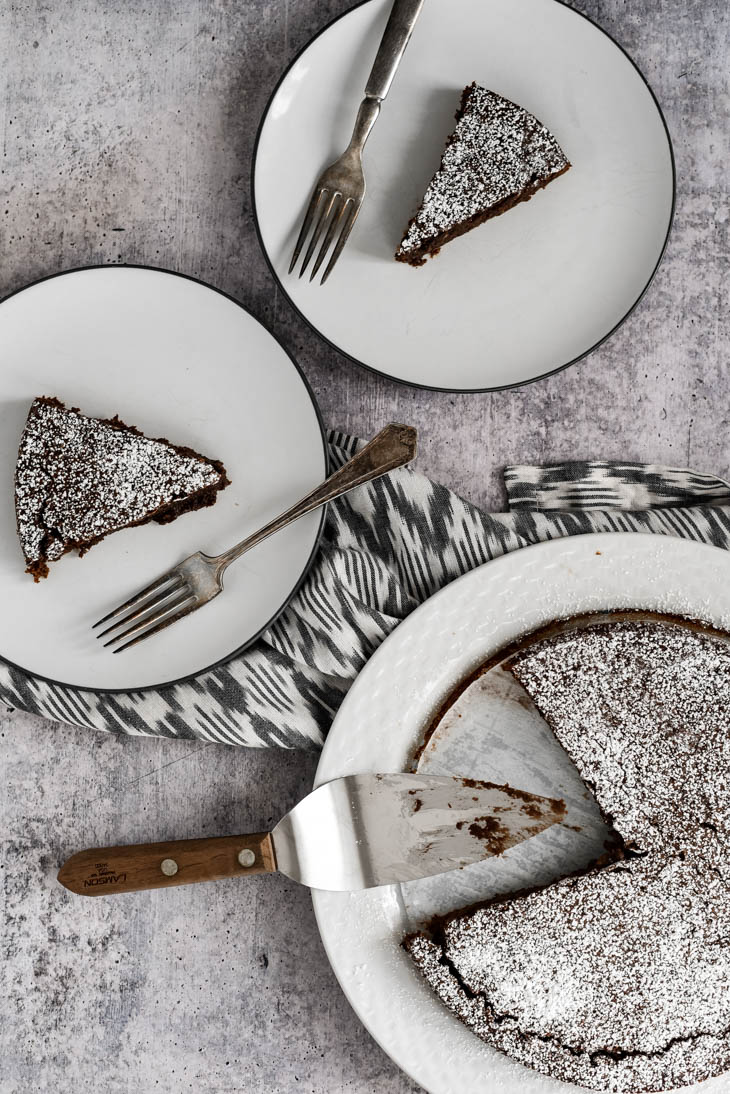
[[78, 479], [498, 156]]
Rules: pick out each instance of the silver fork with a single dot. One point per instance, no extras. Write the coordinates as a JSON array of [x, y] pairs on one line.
[[199, 578], [340, 189]]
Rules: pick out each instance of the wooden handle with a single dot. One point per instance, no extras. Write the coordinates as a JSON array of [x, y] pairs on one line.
[[108, 870]]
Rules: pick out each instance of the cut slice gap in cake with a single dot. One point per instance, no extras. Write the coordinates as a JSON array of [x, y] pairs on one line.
[[615, 978]]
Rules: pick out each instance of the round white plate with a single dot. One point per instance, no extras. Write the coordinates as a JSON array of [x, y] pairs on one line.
[[525, 294], [180, 360], [380, 724]]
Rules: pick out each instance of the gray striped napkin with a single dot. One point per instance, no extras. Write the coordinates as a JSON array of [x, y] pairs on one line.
[[386, 548]]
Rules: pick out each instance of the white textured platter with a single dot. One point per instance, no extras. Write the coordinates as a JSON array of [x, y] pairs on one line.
[[525, 294], [380, 725], [179, 360]]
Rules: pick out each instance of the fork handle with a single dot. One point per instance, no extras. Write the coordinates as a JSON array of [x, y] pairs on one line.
[[392, 47], [393, 447]]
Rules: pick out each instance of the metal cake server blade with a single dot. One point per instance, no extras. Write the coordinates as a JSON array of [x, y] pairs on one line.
[[352, 833]]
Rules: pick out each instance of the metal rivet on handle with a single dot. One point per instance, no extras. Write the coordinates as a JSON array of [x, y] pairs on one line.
[[168, 867], [246, 857]]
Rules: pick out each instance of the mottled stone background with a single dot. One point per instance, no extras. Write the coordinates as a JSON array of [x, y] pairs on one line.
[[127, 131]]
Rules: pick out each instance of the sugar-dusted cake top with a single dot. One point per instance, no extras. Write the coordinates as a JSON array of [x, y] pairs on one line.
[[498, 151], [643, 709], [77, 479], [617, 978]]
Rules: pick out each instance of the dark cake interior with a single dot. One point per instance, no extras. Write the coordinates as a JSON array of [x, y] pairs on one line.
[[617, 978], [497, 156], [78, 479]]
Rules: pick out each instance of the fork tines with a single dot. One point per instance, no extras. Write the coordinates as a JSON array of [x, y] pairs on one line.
[[329, 212], [153, 608]]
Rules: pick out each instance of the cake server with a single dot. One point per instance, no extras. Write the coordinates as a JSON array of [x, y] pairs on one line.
[[353, 833], [340, 189]]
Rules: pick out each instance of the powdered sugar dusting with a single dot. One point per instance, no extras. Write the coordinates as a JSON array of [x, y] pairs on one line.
[[643, 709], [496, 151], [78, 478], [616, 979]]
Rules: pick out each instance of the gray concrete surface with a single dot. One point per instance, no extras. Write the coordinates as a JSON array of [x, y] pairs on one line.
[[127, 131]]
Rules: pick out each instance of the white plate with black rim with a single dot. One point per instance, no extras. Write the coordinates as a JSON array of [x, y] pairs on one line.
[[177, 359], [381, 725], [525, 294]]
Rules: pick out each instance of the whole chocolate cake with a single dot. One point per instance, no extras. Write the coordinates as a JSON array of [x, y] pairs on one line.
[[497, 156], [78, 479], [617, 978]]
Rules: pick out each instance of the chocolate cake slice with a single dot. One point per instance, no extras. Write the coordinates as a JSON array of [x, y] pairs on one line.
[[78, 479], [497, 156], [617, 978]]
